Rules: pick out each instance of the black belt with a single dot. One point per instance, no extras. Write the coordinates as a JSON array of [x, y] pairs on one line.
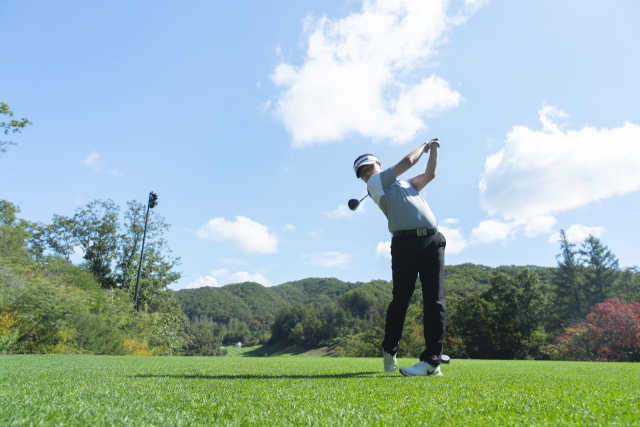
[[418, 232]]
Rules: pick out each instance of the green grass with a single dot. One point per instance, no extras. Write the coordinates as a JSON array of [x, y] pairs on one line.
[[233, 351], [172, 391]]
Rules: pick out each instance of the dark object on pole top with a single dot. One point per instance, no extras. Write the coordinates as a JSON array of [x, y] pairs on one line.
[[153, 202]]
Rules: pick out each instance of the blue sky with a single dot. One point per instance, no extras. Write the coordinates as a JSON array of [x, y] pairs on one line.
[[246, 118]]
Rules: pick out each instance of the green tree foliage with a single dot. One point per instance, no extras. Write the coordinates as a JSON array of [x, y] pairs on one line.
[[248, 310], [570, 299], [587, 277], [12, 126], [60, 235], [110, 255], [8, 212], [95, 227], [158, 268], [202, 341], [502, 322], [629, 285], [13, 238], [48, 305], [602, 270]]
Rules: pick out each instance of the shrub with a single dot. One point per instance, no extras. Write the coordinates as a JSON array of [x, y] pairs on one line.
[[136, 347], [610, 334], [202, 341]]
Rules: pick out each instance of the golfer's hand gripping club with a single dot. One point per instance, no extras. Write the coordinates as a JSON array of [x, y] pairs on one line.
[[427, 145]]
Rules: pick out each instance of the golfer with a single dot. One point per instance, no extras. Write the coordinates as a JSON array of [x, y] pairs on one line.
[[416, 248]]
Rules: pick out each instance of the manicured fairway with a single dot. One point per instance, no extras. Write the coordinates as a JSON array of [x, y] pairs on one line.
[[168, 391]]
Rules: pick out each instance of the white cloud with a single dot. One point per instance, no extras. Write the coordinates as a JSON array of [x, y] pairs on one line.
[[327, 259], [93, 161], [343, 211], [233, 261], [222, 277], [288, 227], [384, 249], [316, 234], [77, 255], [448, 221], [577, 233], [456, 243], [539, 225], [244, 234], [492, 230], [538, 173], [203, 281], [365, 73]]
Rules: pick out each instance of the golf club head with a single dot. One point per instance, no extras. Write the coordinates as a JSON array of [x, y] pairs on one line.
[[353, 204], [445, 359]]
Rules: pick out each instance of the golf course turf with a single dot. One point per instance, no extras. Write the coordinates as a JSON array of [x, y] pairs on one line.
[[172, 391]]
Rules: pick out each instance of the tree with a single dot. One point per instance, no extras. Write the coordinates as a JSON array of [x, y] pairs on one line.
[[12, 237], [201, 341], [20, 236], [629, 287], [570, 299], [96, 229], [504, 315], [602, 270], [158, 269], [611, 333], [13, 126], [502, 321], [60, 235], [471, 321], [8, 213], [531, 304]]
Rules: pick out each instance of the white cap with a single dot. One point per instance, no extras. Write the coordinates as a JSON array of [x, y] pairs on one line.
[[366, 160]]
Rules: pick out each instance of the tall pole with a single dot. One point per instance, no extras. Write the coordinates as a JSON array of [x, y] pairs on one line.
[[144, 237]]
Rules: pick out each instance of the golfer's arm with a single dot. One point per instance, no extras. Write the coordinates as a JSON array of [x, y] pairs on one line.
[[420, 181], [409, 160]]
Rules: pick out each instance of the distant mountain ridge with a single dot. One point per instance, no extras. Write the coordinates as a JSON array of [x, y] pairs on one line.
[[251, 301]]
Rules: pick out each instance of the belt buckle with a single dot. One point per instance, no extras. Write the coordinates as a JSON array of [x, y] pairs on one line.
[[422, 231]]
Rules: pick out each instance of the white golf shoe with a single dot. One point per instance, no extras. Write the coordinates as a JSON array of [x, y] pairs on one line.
[[390, 364], [421, 369]]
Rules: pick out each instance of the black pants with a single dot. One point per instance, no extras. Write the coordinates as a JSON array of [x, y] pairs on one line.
[[411, 256]]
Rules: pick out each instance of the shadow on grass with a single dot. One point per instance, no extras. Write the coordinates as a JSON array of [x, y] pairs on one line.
[[268, 377]]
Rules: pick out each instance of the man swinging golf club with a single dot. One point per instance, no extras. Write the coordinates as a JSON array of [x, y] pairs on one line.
[[416, 248]]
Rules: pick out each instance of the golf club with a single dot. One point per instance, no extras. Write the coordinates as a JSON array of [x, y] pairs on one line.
[[354, 203]]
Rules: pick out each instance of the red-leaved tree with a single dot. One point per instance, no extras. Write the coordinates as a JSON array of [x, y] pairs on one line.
[[610, 334]]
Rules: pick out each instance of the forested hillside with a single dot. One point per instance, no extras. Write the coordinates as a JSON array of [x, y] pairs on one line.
[[250, 307], [251, 301], [505, 312]]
